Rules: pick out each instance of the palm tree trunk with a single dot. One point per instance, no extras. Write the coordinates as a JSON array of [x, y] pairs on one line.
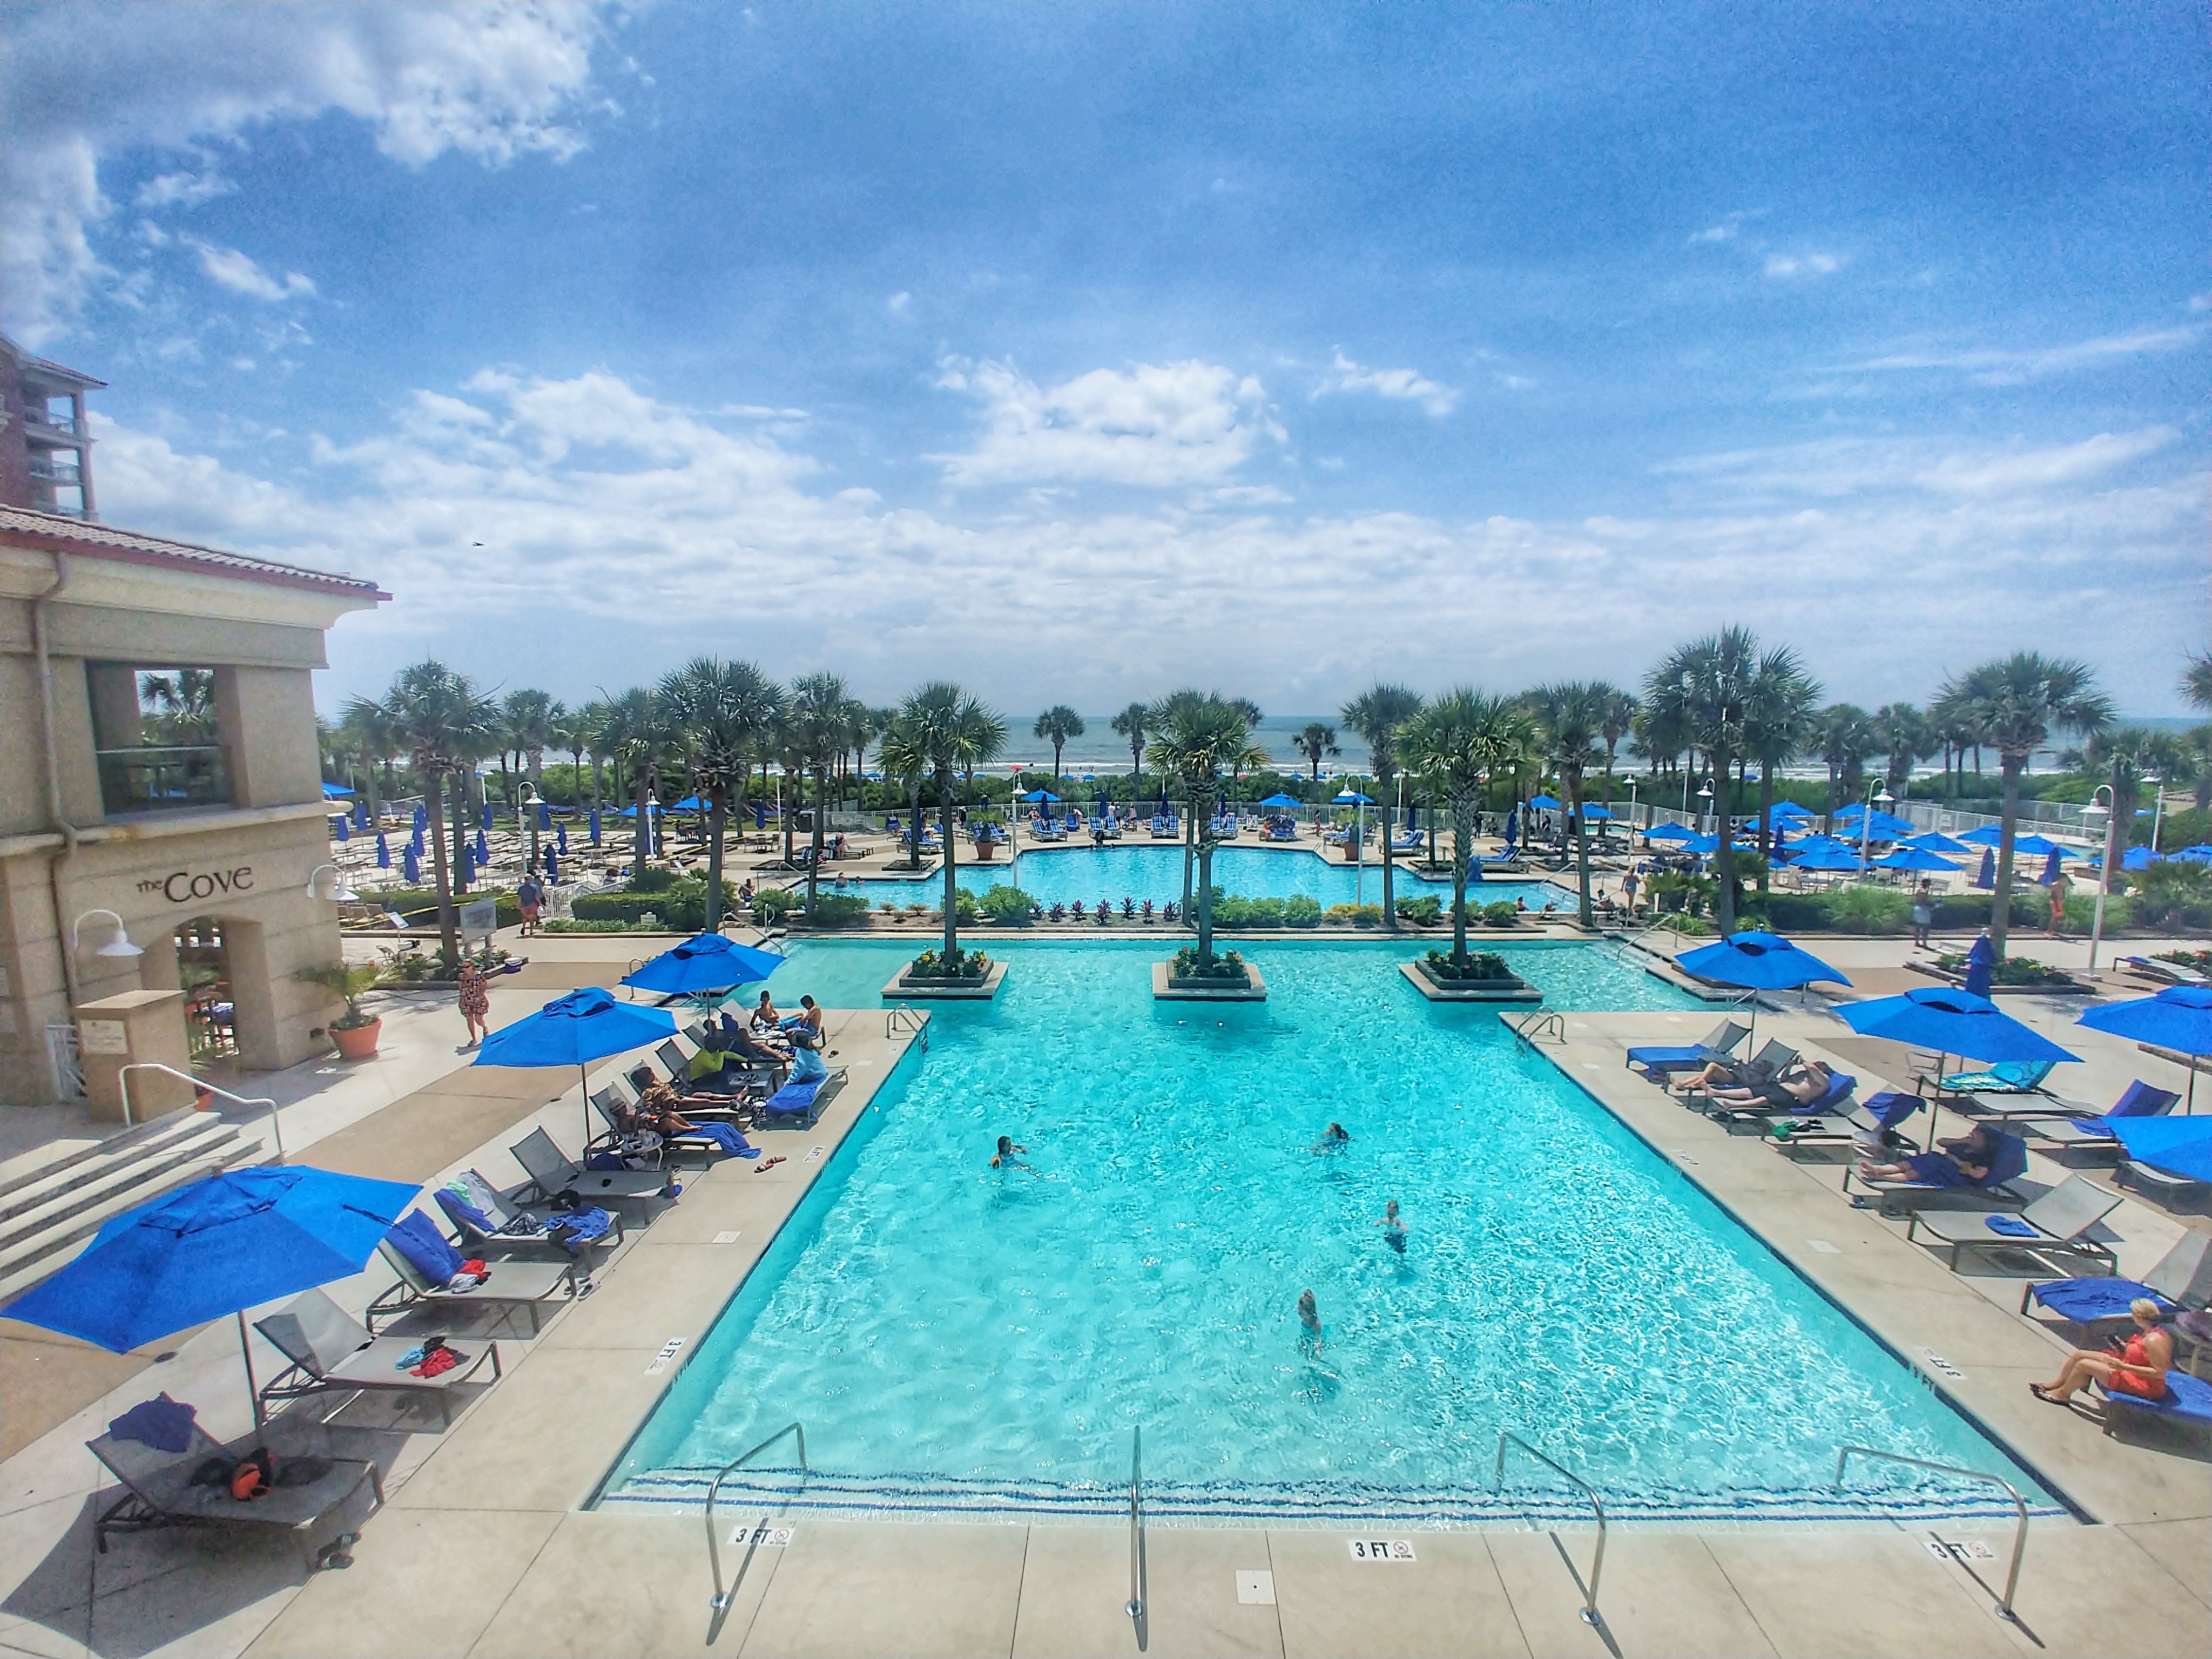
[[821, 816], [914, 827], [641, 841], [715, 810], [1385, 778], [1765, 820], [2001, 906], [1190, 845], [446, 921], [1724, 857], [951, 952], [1574, 783], [1204, 902], [1462, 844]]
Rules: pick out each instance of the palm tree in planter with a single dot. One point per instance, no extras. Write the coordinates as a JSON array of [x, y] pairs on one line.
[[443, 723], [2014, 705], [904, 757], [1571, 717], [1619, 720], [1376, 714], [1316, 741], [1457, 742], [1709, 685], [819, 718], [956, 732], [1058, 726], [1203, 740], [725, 711], [1134, 723], [354, 1033]]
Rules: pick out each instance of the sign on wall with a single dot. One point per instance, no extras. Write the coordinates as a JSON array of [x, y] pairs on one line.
[[480, 918], [102, 1036], [184, 886]]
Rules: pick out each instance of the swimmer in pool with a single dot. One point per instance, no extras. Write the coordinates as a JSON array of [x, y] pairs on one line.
[[1334, 1140], [1309, 1315], [1006, 1157], [1393, 1229]]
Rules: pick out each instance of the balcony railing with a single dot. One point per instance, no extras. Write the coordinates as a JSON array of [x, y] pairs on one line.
[[151, 779]]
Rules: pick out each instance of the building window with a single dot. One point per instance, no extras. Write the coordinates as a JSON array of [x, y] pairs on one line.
[[158, 738]]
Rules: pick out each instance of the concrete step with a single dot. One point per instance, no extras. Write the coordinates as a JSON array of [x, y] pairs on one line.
[[37, 1178]]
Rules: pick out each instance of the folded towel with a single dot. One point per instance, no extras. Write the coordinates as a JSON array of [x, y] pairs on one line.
[[162, 1423], [2012, 1226]]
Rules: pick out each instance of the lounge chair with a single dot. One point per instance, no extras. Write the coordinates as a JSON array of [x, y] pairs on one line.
[[1774, 1057], [795, 1105], [2078, 1134], [652, 1148], [2161, 1184], [552, 1172], [1833, 1099], [1869, 1128], [159, 1490], [2182, 1280], [2166, 973], [510, 1284], [2188, 1402], [2007, 1164], [332, 1352], [2057, 1223], [1659, 1063], [2006, 1077]]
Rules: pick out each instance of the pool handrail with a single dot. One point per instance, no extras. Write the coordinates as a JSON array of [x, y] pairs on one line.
[[1138, 1576], [2020, 1504], [123, 1082], [1590, 1613], [905, 1017], [721, 1603], [1538, 1023]]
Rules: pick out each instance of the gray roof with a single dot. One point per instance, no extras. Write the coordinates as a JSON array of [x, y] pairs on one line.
[[21, 527]]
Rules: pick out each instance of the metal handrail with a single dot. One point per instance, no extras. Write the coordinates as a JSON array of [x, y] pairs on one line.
[[1541, 1022], [1138, 1578], [1597, 1562], [2020, 1504], [123, 1078], [904, 1016], [721, 1603]]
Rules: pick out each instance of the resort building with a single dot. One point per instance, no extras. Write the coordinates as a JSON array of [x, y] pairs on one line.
[[161, 816], [45, 451]]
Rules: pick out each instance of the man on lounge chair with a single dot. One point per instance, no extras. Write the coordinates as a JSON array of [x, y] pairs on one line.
[[1962, 1161], [1801, 1085]]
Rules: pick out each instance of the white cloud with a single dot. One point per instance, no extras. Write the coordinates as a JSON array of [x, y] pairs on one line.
[[1802, 265], [1721, 232], [1409, 384], [182, 189], [81, 86], [242, 274], [1999, 366], [897, 304], [1157, 426]]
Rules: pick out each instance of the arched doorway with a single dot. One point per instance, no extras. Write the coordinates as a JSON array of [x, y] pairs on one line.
[[204, 973]]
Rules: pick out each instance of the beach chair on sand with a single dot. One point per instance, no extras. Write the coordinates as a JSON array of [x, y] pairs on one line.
[[2057, 1223], [332, 1352], [2007, 1164], [1657, 1063], [323, 1511], [2181, 1282], [510, 1284]]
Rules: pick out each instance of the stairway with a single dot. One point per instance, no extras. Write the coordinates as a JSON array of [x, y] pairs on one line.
[[54, 1201]]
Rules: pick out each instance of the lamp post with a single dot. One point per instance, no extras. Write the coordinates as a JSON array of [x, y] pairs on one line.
[[1866, 820], [1704, 809], [530, 801], [2105, 871], [2158, 810]]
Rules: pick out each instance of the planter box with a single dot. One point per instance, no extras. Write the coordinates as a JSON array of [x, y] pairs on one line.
[[900, 987], [1510, 989], [355, 1041], [1167, 989], [2049, 988]]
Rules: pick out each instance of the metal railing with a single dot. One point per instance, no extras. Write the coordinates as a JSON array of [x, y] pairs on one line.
[[1843, 1455], [905, 1017], [1597, 1562], [1542, 1021], [1138, 1578], [123, 1078], [723, 1594]]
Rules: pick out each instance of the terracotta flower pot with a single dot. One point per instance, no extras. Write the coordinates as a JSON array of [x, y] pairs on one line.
[[357, 1041]]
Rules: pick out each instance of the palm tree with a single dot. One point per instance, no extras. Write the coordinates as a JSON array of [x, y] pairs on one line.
[[2128, 755], [1708, 686], [637, 735], [1783, 700], [2014, 705], [1134, 723], [1457, 742], [1056, 726], [1906, 737], [1204, 738], [1377, 713], [954, 730], [722, 712], [586, 731], [1570, 716], [443, 723], [1317, 743], [1846, 736], [904, 757], [1660, 736], [364, 727], [183, 704], [818, 718], [2196, 679], [1619, 720]]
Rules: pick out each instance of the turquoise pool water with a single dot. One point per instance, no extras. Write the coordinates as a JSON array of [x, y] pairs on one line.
[[956, 1338], [1141, 870]]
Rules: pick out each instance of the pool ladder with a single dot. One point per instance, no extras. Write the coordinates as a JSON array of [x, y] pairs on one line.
[[1591, 1614], [1542, 1022], [1138, 1578], [905, 1017], [725, 1595]]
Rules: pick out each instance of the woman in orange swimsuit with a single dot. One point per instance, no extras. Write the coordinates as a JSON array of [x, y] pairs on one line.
[[2138, 1368]]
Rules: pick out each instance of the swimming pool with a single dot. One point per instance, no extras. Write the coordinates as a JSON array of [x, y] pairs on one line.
[[958, 1339], [1143, 871]]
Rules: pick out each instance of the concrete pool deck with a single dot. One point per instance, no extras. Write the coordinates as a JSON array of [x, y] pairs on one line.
[[485, 1549]]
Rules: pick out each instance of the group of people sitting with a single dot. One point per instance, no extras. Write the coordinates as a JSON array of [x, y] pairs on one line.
[[1743, 1085]]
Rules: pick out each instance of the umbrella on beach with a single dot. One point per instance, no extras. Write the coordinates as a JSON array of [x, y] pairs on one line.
[[576, 1030], [711, 962], [2178, 1018]]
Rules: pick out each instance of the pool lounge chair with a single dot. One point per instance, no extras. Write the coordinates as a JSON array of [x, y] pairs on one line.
[[159, 1490], [1869, 1128], [2181, 1280], [1774, 1057], [332, 1352], [552, 1172], [651, 1149], [797, 1105], [2007, 1164], [510, 1284], [2166, 973], [1834, 1099], [2006, 1077], [2188, 1403], [2161, 1184], [485, 1200], [2079, 1134], [2057, 1223], [1657, 1063]]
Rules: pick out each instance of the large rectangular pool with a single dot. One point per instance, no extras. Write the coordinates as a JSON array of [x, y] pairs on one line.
[[956, 1338]]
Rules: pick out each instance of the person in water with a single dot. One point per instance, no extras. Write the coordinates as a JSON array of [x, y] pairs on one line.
[[1334, 1140], [1309, 1315], [1393, 1229], [2137, 1369], [1007, 1155]]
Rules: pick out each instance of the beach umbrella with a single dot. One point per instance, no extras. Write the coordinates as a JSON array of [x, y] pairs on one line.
[[1758, 962], [1352, 798], [341, 827], [361, 815], [2035, 845], [1281, 801], [383, 852], [710, 962], [2051, 867], [1951, 1022], [1412, 815], [421, 817], [484, 848], [561, 836], [410, 866], [1544, 801], [2198, 854], [2178, 1018], [2139, 858], [1671, 832], [1590, 811], [1913, 858], [576, 1030], [552, 870], [1986, 876], [336, 792], [484, 818], [1037, 797], [1513, 825], [1880, 825], [1790, 809], [218, 1245], [1826, 857], [544, 816], [2179, 1145], [1702, 845], [1989, 835], [1933, 842]]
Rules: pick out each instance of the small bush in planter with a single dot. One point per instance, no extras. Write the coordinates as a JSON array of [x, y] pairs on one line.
[[347, 980], [2013, 971], [1480, 965], [961, 965], [1863, 908], [1007, 906], [838, 910], [1424, 911], [1229, 967], [1503, 914], [775, 903]]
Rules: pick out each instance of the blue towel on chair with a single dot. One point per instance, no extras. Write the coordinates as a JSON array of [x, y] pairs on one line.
[[2085, 1299], [164, 1424], [2012, 1226]]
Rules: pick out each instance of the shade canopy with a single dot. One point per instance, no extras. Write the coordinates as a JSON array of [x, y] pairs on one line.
[[2178, 1018], [1590, 811], [1951, 1022], [689, 804], [1935, 842], [573, 1030], [1987, 836], [1880, 825], [1757, 961], [1914, 858], [1670, 832], [218, 1245], [708, 962], [1352, 798], [2035, 845], [337, 792], [1544, 801], [1039, 795], [1790, 809], [1702, 844], [2179, 1145], [1826, 857], [1279, 799], [2138, 858]]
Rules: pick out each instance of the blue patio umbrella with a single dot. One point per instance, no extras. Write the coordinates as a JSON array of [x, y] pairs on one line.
[[1934, 842], [1671, 832], [710, 962], [1880, 825], [552, 870], [1282, 802], [576, 1030], [1758, 962], [2140, 858], [1544, 801], [1913, 858], [1036, 797], [595, 825], [1951, 1022], [1989, 835], [1591, 811], [219, 1245], [2178, 1018], [1826, 857], [464, 870], [2035, 845], [1790, 809], [421, 817], [1981, 966], [361, 815], [341, 828], [410, 865], [2051, 867], [2179, 1145], [484, 848], [1986, 876], [383, 852], [561, 836], [1351, 798], [1704, 846], [544, 816], [483, 820], [2197, 854]]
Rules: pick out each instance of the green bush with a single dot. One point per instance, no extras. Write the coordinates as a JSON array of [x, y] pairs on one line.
[[1480, 965], [2082, 910], [2175, 894], [570, 927], [651, 879], [1301, 910], [1235, 911], [419, 905], [1503, 914], [681, 907], [838, 910], [1355, 915], [1864, 908], [1006, 904], [774, 903], [1228, 966], [1425, 909], [961, 965]]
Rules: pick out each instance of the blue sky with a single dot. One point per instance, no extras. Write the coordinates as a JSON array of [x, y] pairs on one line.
[[1078, 351]]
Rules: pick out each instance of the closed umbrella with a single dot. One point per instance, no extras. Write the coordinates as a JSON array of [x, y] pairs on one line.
[[2181, 1145], [484, 848], [383, 852], [544, 816], [2051, 868], [341, 828], [1981, 965], [710, 962], [465, 871], [1986, 876], [421, 817], [410, 866], [561, 836], [595, 825], [552, 870], [484, 818], [576, 1030], [2178, 1018], [220, 1245]]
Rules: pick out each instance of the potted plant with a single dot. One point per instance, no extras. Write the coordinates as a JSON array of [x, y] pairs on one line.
[[354, 1032]]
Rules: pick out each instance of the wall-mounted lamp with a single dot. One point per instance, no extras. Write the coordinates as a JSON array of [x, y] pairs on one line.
[[335, 888], [118, 945]]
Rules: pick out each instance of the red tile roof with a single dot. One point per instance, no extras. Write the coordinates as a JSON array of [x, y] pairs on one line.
[[22, 527]]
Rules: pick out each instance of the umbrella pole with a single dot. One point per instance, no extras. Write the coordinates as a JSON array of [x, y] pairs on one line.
[[584, 1100], [246, 1353]]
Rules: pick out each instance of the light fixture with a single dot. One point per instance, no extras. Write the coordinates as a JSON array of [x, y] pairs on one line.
[[1706, 791], [2093, 811], [335, 888], [118, 943], [1885, 797]]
